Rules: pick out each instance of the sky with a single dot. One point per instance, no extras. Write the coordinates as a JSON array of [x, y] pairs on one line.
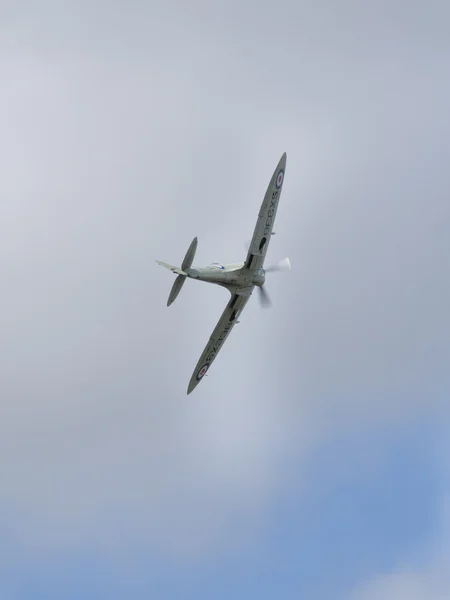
[[314, 460]]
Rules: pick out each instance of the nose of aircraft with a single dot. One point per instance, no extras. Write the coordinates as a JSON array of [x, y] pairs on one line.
[[259, 277]]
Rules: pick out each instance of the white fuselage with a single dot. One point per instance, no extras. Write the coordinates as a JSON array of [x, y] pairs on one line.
[[232, 275]]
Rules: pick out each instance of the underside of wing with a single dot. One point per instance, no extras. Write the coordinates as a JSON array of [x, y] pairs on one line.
[[226, 323], [266, 218]]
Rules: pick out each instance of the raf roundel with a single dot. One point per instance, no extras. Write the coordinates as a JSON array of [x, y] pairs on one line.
[[279, 179], [202, 372]]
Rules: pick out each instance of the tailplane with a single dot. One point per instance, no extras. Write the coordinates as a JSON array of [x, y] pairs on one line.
[[182, 274], [187, 262], [177, 285]]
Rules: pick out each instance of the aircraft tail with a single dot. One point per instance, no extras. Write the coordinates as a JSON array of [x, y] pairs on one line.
[[177, 285], [187, 262], [176, 270], [182, 274]]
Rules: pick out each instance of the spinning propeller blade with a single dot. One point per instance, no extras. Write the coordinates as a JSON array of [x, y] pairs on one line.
[[282, 265], [264, 298]]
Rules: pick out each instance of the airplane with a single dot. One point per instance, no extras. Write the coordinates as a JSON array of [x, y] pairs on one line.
[[239, 279]]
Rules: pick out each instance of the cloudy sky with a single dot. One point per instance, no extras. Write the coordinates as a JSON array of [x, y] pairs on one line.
[[314, 460]]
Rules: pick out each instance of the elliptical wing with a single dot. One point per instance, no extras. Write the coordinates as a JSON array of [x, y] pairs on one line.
[[225, 324], [266, 218]]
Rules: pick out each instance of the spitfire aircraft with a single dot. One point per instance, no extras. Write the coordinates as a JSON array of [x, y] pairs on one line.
[[239, 279]]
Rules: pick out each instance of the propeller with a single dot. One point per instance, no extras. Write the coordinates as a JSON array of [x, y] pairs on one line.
[[282, 265], [264, 297]]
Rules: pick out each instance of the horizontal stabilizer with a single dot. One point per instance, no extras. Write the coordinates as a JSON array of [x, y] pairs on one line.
[[172, 268], [187, 262], [177, 285]]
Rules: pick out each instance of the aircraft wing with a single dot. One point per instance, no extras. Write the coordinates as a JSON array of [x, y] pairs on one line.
[[219, 335], [266, 218]]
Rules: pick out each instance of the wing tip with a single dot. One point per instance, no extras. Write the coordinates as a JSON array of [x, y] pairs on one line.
[[282, 162]]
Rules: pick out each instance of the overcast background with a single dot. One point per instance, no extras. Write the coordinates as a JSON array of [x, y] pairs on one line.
[[313, 461]]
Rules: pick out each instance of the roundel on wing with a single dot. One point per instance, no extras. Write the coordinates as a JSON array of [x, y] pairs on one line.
[[202, 371], [279, 179]]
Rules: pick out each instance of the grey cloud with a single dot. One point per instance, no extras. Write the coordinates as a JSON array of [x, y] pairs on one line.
[[126, 136]]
